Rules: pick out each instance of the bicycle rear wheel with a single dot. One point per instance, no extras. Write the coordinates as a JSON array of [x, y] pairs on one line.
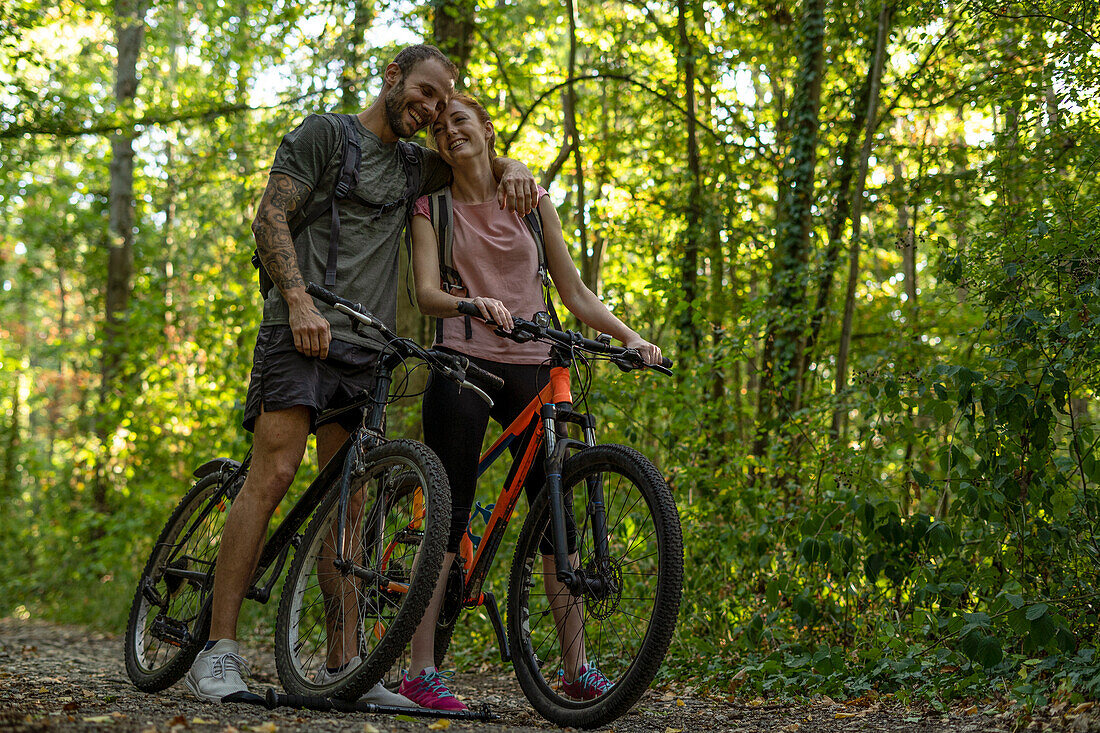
[[622, 625], [394, 535], [170, 619]]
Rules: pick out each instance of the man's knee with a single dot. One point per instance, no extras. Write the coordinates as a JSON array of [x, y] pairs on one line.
[[278, 449]]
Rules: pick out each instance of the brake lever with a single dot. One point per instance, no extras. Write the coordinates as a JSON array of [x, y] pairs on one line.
[[477, 390], [458, 374]]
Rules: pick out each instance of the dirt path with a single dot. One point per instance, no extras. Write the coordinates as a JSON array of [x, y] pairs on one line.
[[64, 678]]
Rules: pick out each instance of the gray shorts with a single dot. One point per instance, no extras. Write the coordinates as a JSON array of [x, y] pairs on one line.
[[283, 377]]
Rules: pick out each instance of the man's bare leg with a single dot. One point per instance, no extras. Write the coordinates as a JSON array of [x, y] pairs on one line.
[[278, 447], [342, 620]]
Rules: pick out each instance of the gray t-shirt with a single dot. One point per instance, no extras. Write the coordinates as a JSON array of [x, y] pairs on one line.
[[369, 244]]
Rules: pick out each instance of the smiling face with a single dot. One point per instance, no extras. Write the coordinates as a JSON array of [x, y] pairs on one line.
[[463, 133], [416, 99]]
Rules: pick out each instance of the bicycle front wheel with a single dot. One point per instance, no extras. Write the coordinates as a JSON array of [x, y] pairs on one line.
[[623, 622], [360, 582], [169, 619]]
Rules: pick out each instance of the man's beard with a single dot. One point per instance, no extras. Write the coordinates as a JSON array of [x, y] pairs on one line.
[[395, 108]]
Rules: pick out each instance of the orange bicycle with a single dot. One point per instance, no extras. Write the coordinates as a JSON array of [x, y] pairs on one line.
[[618, 551]]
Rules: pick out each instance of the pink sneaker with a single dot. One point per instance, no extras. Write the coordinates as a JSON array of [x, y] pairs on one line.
[[589, 685], [429, 690]]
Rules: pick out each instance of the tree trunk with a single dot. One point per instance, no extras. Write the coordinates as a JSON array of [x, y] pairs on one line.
[[352, 75], [689, 265], [884, 19], [453, 30], [779, 396], [129, 33], [841, 209], [570, 110]]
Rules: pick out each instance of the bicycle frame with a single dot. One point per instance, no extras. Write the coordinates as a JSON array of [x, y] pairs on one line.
[[545, 419]]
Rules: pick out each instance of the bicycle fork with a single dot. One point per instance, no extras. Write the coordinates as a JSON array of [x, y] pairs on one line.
[[577, 580]]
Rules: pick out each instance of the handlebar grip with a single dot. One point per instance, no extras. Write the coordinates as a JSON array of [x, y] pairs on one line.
[[666, 362], [327, 296], [468, 309], [488, 379]]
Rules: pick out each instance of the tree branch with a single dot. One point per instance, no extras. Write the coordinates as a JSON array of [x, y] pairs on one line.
[[615, 77]]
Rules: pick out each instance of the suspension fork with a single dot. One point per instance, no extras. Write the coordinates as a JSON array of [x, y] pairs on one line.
[[596, 508], [554, 417], [369, 435]]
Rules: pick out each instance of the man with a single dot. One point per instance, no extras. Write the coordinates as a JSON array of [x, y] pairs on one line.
[[306, 361]]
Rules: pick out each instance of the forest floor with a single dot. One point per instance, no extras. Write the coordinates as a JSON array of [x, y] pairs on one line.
[[66, 678]]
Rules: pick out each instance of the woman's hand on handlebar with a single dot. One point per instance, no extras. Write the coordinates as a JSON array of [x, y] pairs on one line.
[[650, 353], [493, 311]]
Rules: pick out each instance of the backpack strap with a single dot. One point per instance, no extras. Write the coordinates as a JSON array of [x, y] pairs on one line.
[[533, 220], [346, 184], [410, 163], [441, 212]]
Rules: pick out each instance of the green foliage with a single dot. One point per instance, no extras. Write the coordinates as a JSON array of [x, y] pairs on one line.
[[941, 543]]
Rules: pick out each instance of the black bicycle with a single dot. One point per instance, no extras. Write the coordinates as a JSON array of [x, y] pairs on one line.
[[363, 568]]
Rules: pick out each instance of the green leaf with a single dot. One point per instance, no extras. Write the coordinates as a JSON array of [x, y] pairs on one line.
[[989, 653], [1042, 630], [1037, 611]]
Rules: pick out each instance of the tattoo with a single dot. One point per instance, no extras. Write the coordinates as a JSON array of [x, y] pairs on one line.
[[281, 199]]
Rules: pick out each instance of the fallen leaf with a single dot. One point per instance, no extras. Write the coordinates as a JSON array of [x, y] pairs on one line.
[[368, 728], [178, 720], [674, 730], [441, 724], [99, 719], [202, 721], [828, 700], [680, 703], [972, 710], [1083, 707], [793, 727], [842, 715], [70, 706]]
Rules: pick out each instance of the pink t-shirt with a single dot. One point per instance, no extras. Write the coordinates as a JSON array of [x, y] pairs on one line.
[[495, 256]]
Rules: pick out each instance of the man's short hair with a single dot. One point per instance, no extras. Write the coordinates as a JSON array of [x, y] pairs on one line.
[[410, 56]]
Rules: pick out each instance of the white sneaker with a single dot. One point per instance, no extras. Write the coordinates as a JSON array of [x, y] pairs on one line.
[[377, 695], [217, 672]]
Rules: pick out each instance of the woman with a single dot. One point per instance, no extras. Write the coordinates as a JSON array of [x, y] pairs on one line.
[[496, 259]]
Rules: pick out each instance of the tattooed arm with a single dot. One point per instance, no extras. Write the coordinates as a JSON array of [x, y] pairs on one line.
[[283, 197]]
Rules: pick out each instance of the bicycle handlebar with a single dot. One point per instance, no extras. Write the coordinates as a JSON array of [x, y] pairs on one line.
[[452, 366], [524, 330]]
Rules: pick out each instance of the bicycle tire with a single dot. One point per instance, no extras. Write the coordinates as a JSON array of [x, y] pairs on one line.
[[627, 632], [408, 550], [160, 650]]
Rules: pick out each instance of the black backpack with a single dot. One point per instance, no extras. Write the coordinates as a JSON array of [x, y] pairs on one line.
[[344, 190], [440, 211]]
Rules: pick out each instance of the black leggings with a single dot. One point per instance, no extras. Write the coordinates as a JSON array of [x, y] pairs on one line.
[[455, 424]]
